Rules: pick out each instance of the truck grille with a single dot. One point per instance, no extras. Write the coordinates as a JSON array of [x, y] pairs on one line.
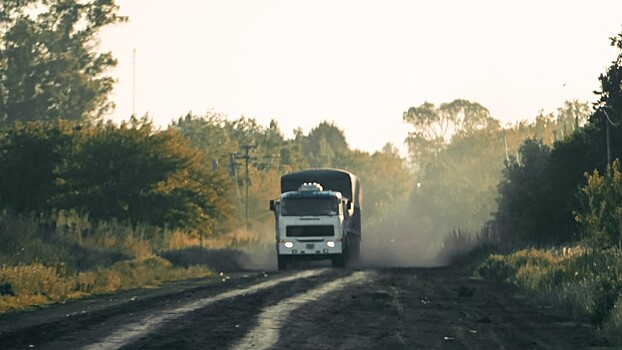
[[310, 231]]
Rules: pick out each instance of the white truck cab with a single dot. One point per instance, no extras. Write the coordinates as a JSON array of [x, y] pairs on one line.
[[312, 223]]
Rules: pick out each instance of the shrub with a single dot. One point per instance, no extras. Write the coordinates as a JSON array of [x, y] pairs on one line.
[[601, 215], [35, 279]]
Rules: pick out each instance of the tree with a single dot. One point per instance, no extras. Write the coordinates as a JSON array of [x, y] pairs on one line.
[[31, 155], [569, 160], [136, 174], [601, 213], [522, 216], [221, 144], [608, 114], [48, 65], [387, 184], [326, 146], [434, 127], [210, 134]]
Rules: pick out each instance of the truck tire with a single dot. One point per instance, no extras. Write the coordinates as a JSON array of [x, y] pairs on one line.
[[338, 261], [281, 262]]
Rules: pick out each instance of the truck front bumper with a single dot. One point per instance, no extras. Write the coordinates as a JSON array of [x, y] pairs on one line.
[[306, 247]]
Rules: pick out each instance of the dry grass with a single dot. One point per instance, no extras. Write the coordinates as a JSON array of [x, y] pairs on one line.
[[30, 285], [78, 259]]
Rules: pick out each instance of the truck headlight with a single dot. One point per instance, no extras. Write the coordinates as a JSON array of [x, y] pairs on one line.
[[288, 244], [331, 244]]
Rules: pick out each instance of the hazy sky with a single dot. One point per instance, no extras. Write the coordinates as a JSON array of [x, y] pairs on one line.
[[357, 63]]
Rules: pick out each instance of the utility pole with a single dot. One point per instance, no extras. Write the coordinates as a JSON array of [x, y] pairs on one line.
[[505, 144], [134, 82], [233, 171], [247, 158]]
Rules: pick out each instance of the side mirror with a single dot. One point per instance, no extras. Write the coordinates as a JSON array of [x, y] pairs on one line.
[[272, 205]]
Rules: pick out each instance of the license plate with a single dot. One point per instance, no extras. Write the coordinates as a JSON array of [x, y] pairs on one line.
[[310, 246]]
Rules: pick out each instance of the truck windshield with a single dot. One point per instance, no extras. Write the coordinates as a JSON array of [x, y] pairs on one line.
[[309, 206]]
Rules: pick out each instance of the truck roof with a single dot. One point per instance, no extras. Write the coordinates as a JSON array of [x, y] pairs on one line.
[[336, 180], [324, 194]]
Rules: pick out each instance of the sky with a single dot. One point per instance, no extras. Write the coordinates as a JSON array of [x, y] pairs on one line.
[[359, 64]]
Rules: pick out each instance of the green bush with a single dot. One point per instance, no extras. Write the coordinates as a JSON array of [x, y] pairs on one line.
[[601, 214]]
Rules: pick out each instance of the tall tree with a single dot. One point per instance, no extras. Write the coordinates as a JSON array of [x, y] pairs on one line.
[[434, 127], [326, 146], [608, 114], [31, 155], [522, 216], [49, 68]]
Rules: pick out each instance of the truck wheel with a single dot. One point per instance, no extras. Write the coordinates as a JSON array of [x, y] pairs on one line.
[[338, 261], [282, 264]]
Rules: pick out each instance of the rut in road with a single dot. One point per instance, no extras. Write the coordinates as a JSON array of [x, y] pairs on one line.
[[133, 331], [266, 334]]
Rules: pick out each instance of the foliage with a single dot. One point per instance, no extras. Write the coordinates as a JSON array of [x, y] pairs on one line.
[[129, 173], [463, 249], [571, 116], [610, 93], [567, 163], [601, 215], [433, 127], [31, 155], [456, 180], [30, 285], [540, 211], [133, 173], [48, 65], [325, 146], [523, 208], [381, 198], [222, 141]]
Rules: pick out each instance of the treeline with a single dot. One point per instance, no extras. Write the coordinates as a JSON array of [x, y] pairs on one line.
[[559, 220], [191, 175], [129, 172]]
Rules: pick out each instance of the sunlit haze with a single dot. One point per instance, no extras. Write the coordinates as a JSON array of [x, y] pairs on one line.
[[359, 64]]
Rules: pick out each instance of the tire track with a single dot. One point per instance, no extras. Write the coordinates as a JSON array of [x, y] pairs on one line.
[[131, 332], [266, 334]]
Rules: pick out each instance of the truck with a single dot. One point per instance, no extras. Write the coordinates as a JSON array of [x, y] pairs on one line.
[[318, 217]]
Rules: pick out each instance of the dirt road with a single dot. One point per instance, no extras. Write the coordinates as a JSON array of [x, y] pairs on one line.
[[305, 308]]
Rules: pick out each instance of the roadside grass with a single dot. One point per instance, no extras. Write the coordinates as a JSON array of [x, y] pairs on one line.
[[588, 283], [34, 285], [43, 264], [461, 248]]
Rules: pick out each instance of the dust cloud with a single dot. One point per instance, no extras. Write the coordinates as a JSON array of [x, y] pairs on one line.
[[401, 239], [401, 246], [379, 249], [261, 257]]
